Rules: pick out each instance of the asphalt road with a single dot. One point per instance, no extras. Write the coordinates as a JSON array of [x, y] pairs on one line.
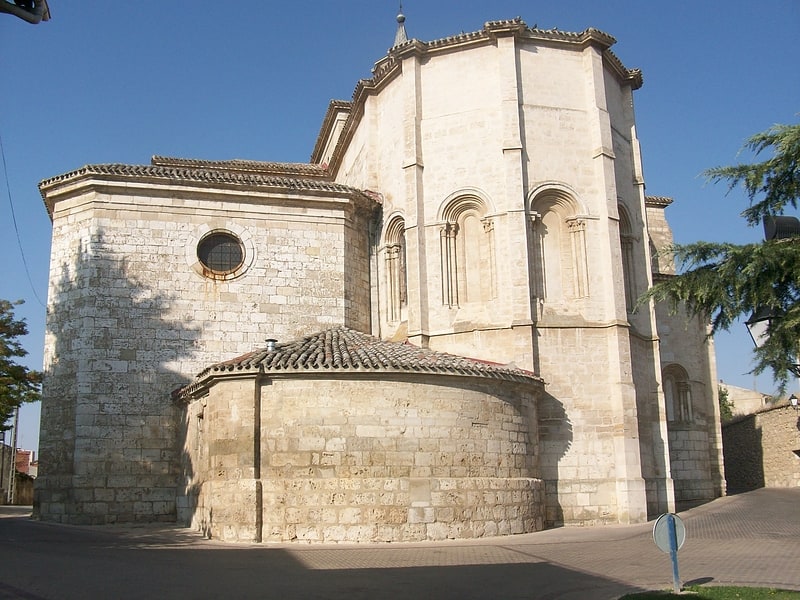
[[748, 539]]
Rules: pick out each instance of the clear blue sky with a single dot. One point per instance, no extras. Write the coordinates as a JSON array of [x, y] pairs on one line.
[[107, 82]]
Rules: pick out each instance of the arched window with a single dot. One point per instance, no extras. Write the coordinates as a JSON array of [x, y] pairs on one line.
[[677, 394], [654, 266], [467, 252], [396, 272], [560, 269], [626, 241]]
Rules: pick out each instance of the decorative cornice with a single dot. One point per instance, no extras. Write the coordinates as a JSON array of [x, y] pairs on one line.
[[200, 176], [657, 201], [391, 65], [345, 351]]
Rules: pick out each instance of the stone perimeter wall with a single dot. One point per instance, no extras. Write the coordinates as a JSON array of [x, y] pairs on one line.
[[761, 450], [399, 509]]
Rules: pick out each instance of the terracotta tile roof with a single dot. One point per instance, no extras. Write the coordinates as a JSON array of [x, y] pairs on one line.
[[210, 174], [200, 175], [343, 350], [246, 166]]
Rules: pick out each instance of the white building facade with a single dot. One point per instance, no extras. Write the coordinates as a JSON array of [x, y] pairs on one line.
[[480, 196]]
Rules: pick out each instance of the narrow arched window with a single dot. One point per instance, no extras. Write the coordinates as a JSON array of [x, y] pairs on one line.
[[626, 242], [560, 266], [654, 266], [396, 271], [467, 253], [677, 395]]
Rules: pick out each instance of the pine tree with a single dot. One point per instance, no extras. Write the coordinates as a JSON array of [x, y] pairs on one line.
[[18, 384], [725, 282]]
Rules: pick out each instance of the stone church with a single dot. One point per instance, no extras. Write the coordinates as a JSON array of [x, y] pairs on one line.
[[430, 330]]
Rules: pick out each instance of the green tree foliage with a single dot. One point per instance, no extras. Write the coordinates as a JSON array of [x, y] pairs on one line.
[[18, 384], [725, 405], [777, 178], [725, 282]]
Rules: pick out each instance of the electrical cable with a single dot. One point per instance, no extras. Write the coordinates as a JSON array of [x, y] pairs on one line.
[[16, 228]]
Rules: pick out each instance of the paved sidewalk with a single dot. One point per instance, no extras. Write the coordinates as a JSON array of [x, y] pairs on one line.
[[748, 539]]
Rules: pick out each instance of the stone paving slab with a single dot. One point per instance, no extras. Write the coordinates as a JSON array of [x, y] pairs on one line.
[[748, 539]]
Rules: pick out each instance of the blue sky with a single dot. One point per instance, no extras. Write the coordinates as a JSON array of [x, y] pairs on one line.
[[106, 82]]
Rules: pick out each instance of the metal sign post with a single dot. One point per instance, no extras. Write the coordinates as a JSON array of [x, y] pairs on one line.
[[669, 535]]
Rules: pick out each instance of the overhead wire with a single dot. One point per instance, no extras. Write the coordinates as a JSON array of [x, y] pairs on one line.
[[16, 227]]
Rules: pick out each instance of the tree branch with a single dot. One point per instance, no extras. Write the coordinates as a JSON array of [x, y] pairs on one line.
[[40, 11]]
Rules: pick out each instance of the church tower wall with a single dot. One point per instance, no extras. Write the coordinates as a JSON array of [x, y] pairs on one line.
[[690, 384], [508, 204]]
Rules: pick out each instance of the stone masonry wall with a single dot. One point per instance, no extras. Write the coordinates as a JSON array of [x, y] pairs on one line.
[[762, 450], [132, 317], [695, 446], [360, 459]]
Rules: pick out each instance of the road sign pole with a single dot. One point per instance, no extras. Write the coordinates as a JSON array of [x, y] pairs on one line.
[[673, 553]]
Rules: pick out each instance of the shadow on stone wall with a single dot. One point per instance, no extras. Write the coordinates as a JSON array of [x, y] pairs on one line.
[[761, 449], [744, 458], [555, 439], [108, 427]]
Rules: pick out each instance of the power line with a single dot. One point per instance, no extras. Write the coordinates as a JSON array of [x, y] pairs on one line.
[[14, 221]]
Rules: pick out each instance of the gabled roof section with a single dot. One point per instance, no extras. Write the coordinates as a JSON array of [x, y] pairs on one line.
[[343, 350], [390, 66], [336, 110]]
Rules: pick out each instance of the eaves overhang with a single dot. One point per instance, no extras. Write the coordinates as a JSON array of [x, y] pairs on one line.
[[657, 201], [163, 179]]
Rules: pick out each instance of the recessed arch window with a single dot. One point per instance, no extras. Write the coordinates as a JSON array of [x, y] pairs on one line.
[[396, 273], [221, 253], [626, 241], [560, 264], [677, 395], [467, 251]]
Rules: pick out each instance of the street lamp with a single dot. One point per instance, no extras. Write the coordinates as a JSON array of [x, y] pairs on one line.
[[758, 324]]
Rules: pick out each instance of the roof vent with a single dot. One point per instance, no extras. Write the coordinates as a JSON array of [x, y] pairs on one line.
[[271, 345]]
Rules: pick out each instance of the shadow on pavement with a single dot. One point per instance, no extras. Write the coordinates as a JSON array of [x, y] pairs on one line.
[[44, 561]]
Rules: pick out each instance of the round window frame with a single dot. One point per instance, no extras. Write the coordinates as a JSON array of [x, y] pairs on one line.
[[241, 234], [225, 237]]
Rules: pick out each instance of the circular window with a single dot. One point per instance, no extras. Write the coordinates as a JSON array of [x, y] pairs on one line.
[[221, 253]]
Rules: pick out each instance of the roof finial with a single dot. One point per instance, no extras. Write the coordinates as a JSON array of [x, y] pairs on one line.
[[400, 37]]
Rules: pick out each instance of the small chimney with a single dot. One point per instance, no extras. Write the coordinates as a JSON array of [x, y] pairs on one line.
[[271, 345]]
